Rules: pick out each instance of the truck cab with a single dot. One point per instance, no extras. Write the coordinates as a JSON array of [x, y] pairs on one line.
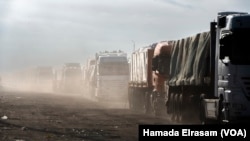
[[112, 75], [231, 68]]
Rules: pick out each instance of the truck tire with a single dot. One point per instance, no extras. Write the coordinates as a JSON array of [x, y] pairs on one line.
[[157, 103], [180, 108], [176, 107], [147, 105], [130, 98], [172, 106], [203, 119]]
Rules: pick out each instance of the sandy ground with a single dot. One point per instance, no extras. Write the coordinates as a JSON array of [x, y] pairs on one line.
[[37, 116]]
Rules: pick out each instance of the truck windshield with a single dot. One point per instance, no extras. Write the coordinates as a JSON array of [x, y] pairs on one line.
[[114, 68], [44, 73], [240, 28], [240, 47]]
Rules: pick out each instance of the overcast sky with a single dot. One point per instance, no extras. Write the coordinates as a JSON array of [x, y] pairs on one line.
[[51, 32]]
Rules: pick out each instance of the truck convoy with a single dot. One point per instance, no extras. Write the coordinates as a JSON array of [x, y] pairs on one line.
[[69, 78], [109, 76], [207, 76]]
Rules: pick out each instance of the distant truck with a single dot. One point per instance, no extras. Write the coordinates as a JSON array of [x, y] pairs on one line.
[[109, 76], [43, 78], [69, 78], [148, 75]]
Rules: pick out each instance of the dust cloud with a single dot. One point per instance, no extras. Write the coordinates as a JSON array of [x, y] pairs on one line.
[[25, 82]]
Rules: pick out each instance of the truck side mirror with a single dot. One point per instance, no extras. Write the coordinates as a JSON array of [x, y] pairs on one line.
[[155, 63], [163, 68]]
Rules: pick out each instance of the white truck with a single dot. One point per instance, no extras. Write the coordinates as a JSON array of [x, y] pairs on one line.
[[69, 78], [111, 76]]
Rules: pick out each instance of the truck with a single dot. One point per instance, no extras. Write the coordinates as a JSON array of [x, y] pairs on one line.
[[110, 76], [148, 75], [209, 73], [43, 78], [89, 77], [204, 77], [69, 78]]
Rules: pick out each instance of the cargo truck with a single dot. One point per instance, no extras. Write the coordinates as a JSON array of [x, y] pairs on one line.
[[148, 75], [69, 78], [43, 78], [109, 76], [210, 73]]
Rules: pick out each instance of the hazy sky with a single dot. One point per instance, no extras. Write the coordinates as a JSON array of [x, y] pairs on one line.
[[51, 32]]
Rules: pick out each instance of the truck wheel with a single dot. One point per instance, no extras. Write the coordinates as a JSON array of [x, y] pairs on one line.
[[180, 108], [159, 106], [147, 105], [157, 103], [176, 99], [170, 104], [171, 108], [174, 112], [203, 119], [154, 103], [130, 98], [202, 114]]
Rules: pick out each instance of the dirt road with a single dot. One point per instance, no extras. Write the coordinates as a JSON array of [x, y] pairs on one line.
[[36, 116]]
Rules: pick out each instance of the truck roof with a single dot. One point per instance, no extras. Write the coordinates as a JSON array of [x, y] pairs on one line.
[[163, 47], [113, 53], [112, 59], [226, 13], [146, 48]]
